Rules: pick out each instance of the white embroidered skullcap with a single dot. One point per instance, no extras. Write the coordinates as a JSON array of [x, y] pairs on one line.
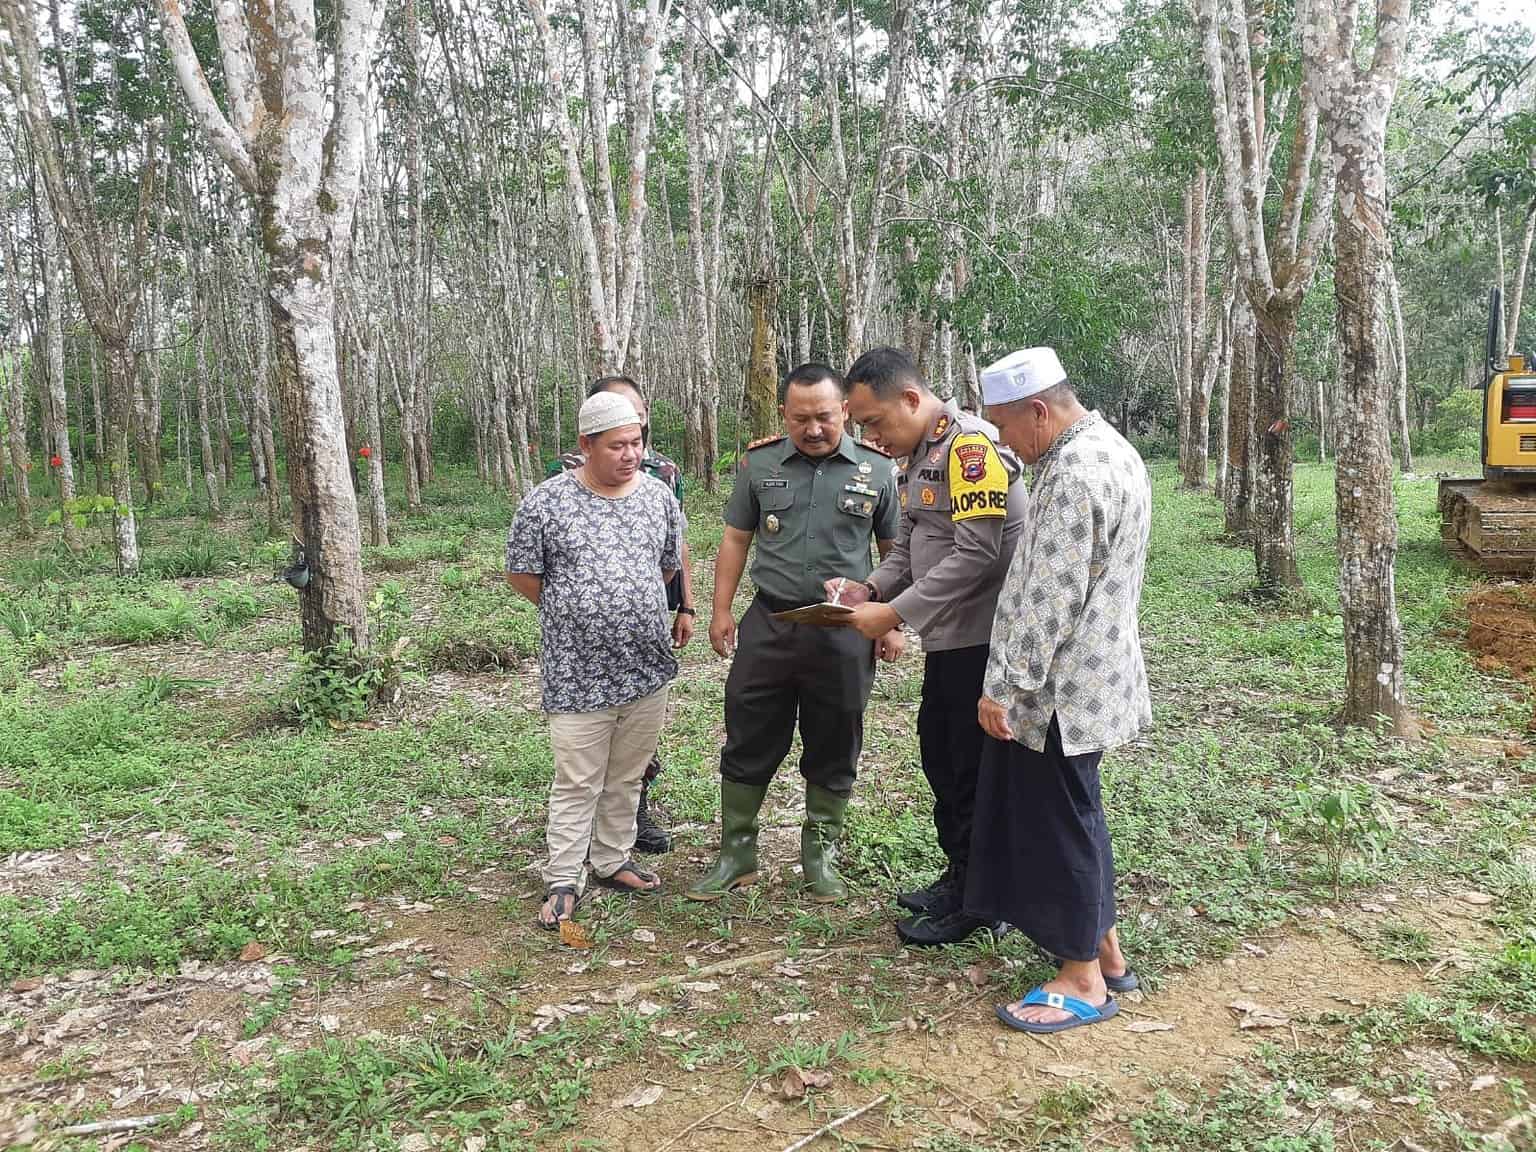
[[605, 410], [1021, 374]]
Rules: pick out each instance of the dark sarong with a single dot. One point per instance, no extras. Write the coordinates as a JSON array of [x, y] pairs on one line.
[[1040, 851]]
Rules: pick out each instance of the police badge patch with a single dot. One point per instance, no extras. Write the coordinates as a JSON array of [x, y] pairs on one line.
[[973, 461]]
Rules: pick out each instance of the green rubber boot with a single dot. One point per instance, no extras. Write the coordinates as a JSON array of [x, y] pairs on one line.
[[819, 836], [737, 866]]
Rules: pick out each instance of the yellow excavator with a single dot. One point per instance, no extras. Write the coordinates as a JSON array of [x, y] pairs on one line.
[[1491, 523]]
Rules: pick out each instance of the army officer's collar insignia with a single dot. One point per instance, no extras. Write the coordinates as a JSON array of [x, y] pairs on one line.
[[940, 427]]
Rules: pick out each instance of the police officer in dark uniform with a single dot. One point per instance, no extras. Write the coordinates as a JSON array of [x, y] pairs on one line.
[[963, 499], [812, 500], [650, 836]]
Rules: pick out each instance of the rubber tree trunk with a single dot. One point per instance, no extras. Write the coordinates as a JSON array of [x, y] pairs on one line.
[[1400, 361], [1239, 492], [302, 300], [1197, 455], [16, 439], [122, 373], [763, 368], [1223, 399], [1367, 514], [53, 323], [1274, 534], [204, 437], [148, 450], [378, 508]]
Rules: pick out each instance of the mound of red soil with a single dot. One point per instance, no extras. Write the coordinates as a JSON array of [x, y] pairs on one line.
[[1501, 629]]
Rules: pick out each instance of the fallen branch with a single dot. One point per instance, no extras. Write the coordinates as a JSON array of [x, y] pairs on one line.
[[12, 1087], [106, 1127], [471, 986], [723, 968], [822, 1131], [702, 1120], [966, 1003], [153, 997]]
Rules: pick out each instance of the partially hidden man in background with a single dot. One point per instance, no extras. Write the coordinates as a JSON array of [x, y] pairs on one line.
[[650, 836], [1064, 684], [963, 500], [594, 548], [813, 500]]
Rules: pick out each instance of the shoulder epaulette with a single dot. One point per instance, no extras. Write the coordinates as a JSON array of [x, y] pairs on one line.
[[764, 442], [868, 447]]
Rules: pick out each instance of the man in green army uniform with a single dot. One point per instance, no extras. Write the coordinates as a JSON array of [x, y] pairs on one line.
[[813, 500], [650, 836]]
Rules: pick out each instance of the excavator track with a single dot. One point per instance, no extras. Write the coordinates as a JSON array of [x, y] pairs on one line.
[[1490, 524]]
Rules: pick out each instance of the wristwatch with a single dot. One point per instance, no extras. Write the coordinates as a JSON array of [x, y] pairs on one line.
[[688, 611], [874, 593]]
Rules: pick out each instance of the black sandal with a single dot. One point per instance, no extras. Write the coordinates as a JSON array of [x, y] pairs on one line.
[[651, 881], [562, 892]]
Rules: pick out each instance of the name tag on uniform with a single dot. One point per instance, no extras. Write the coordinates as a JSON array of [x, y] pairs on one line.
[[859, 489], [773, 483]]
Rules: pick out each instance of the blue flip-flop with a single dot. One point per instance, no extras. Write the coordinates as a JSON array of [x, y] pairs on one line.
[[1082, 1012], [1127, 981]]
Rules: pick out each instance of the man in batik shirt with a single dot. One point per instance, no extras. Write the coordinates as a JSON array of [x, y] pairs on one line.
[[1064, 683]]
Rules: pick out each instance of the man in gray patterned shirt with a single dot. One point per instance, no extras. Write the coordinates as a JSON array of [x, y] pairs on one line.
[[594, 548], [1064, 683]]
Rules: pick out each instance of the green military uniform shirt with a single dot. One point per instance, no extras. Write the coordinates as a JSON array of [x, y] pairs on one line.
[[813, 518]]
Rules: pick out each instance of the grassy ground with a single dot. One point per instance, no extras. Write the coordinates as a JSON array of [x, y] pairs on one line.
[[278, 934]]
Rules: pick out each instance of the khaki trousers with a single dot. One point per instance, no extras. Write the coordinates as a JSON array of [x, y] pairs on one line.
[[600, 758]]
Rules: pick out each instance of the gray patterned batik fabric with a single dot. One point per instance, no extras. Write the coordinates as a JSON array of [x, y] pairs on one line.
[[603, 622], [1065, 639]]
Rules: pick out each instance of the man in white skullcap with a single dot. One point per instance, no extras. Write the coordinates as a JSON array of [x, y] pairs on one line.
[[594, 548], [1064, 683]]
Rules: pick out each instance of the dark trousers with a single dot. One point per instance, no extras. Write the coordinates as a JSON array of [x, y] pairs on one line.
[[950, 739], [782, 672], [1043, 857]]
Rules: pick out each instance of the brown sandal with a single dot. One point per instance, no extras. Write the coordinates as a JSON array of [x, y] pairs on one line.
[[563, 911]]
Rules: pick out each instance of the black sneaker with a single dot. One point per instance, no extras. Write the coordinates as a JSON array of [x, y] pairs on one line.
[[940, 898], [932, 932], [650, 837]]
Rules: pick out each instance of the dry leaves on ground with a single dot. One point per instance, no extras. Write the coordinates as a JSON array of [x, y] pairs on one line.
[[798, 1081], [643, 1096], [573, 935], [1253, 1015]]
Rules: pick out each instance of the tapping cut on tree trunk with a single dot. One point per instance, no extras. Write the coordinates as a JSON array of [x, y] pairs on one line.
[[763, 369], [1400, 359]]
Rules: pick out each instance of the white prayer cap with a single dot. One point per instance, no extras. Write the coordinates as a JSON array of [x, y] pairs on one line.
[[1021, 374], [604, 410]]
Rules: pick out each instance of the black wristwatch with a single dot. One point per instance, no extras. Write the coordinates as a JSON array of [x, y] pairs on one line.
[[688, 611]]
